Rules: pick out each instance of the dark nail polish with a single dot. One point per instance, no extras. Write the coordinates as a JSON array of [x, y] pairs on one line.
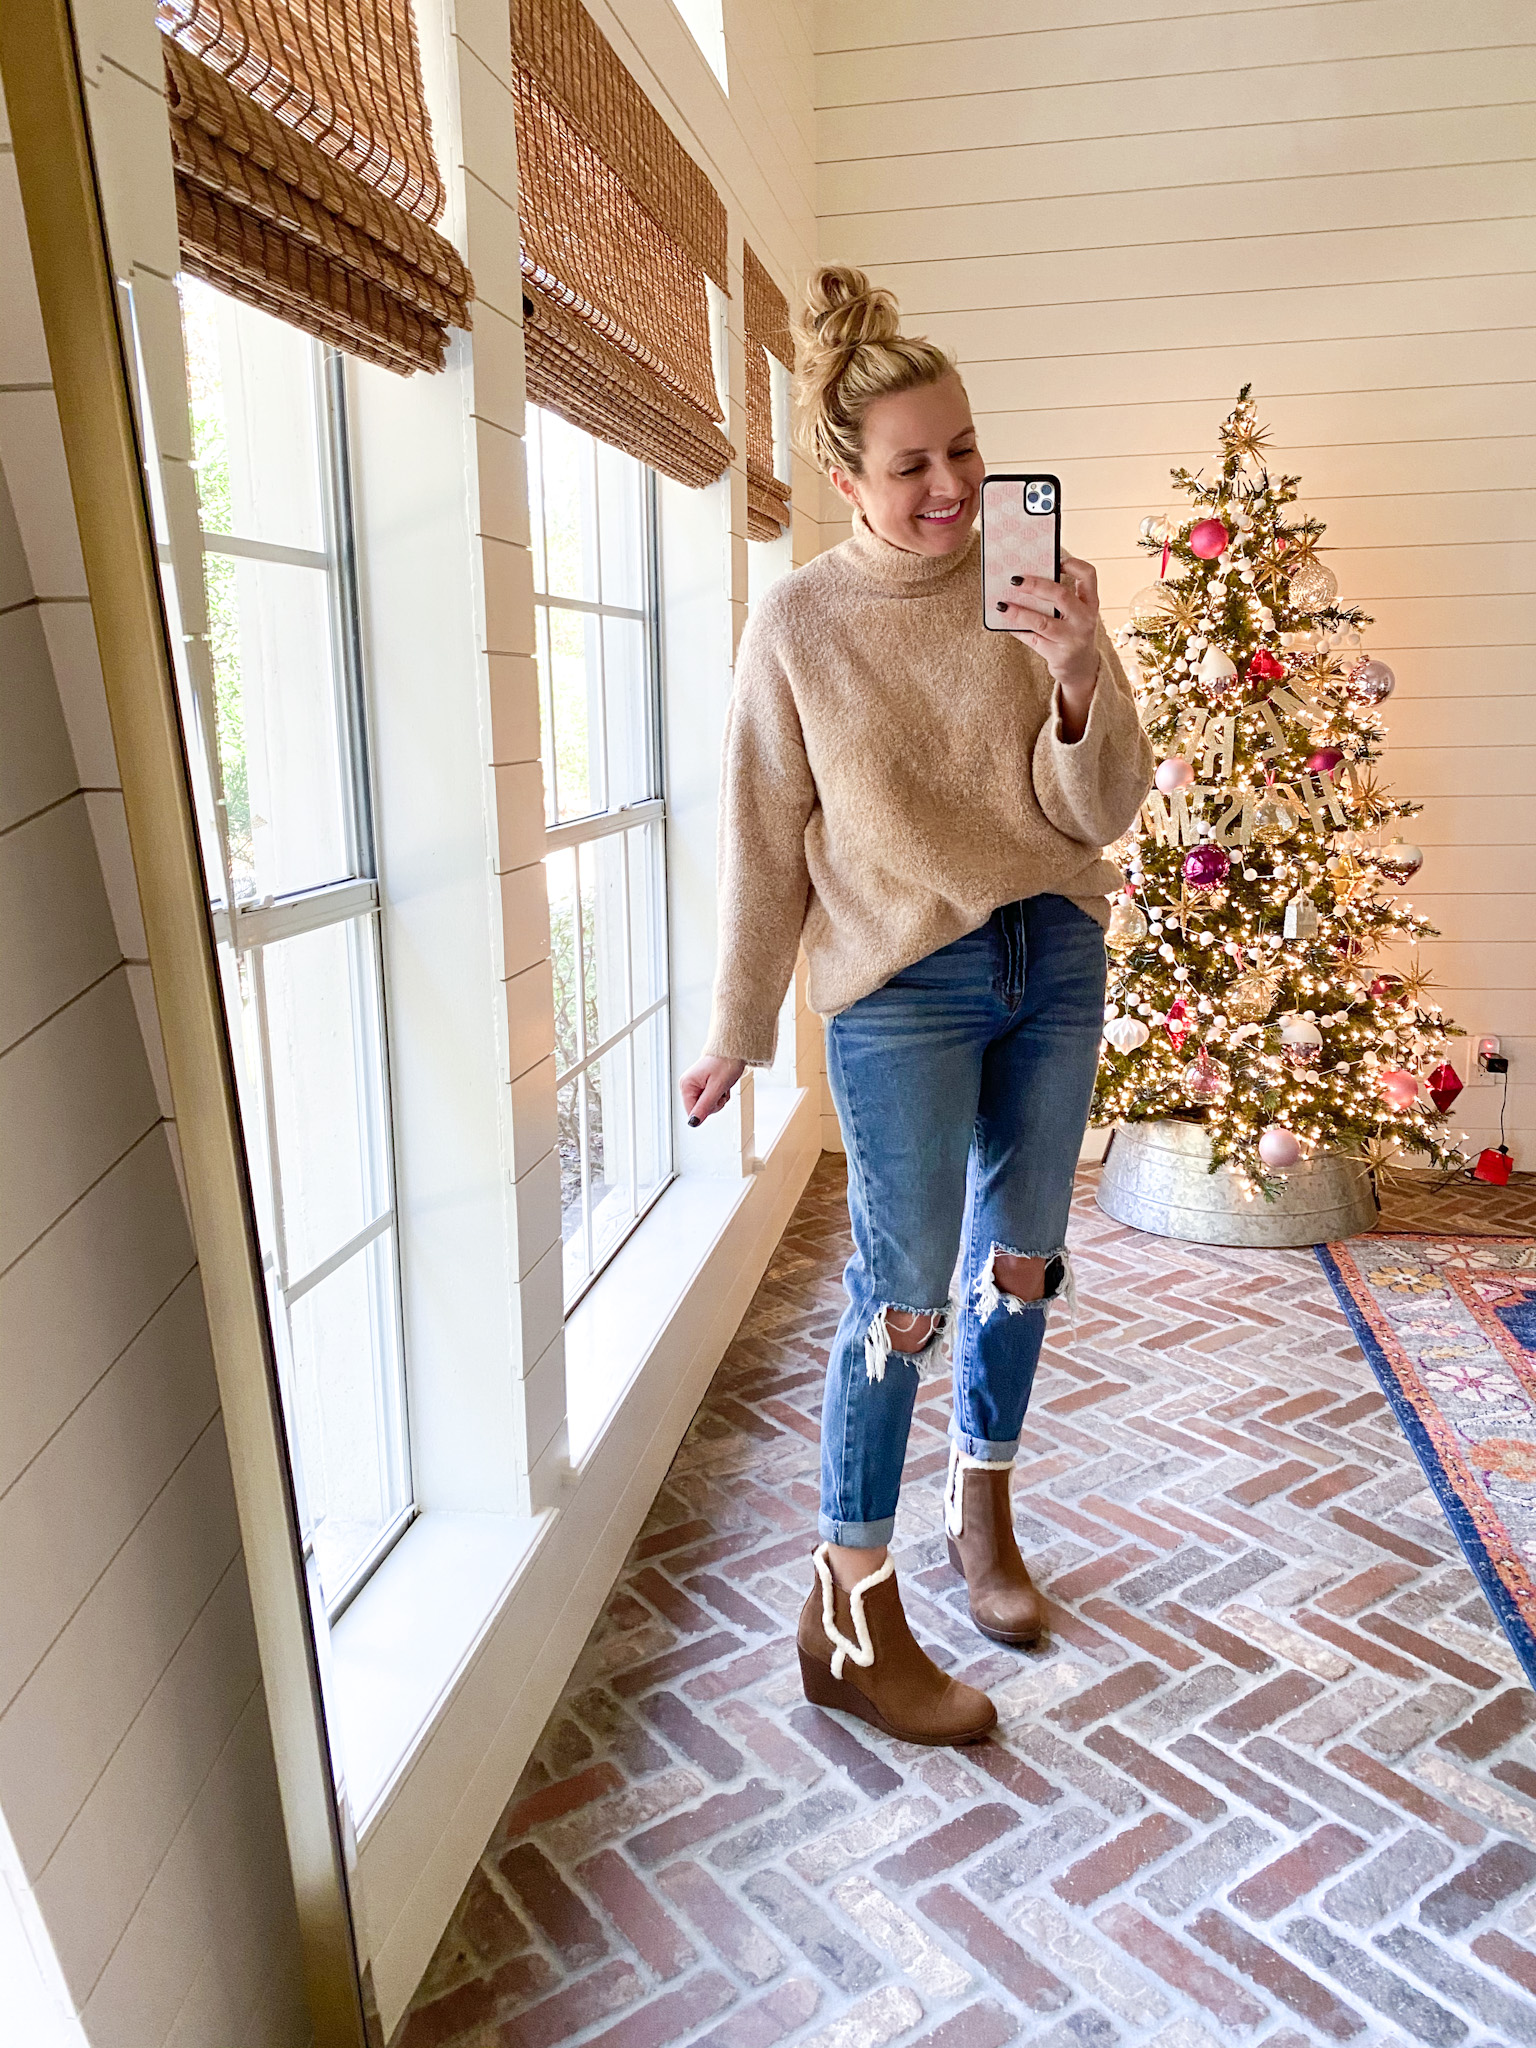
[[1001, 606], [693, 1123], [1015, 579]]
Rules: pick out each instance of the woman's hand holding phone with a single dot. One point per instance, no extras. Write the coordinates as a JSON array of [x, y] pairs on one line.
[[1060, 621]]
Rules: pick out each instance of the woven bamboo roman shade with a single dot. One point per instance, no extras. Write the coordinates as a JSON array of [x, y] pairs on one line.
[[767, 334], [305, 178], [620, 229]]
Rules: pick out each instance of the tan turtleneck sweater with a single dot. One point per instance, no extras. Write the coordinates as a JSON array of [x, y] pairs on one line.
[[893, 773]]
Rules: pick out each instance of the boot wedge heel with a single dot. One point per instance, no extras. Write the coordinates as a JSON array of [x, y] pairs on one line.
[[823, 1690], [889, 1680]]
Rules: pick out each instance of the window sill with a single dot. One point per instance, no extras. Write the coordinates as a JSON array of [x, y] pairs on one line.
[[408, 1643], [405, 1638], [615, 1326]]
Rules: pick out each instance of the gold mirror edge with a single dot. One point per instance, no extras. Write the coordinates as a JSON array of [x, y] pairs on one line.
[[39, 64]]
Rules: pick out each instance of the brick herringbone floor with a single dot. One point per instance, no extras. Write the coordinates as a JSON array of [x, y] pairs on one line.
[[1265, 1785], [1427, 1202]]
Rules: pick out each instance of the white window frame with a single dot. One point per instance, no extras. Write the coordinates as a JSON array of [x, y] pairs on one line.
[[246, 928], [599, 824]]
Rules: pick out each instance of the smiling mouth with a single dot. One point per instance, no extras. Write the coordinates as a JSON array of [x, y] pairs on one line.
[[946, 517]]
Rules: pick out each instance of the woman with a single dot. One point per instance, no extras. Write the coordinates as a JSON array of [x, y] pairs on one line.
[[922, 803]]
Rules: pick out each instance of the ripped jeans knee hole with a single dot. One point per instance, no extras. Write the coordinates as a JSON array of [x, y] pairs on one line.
[[932, 1355], [1059, 1283]]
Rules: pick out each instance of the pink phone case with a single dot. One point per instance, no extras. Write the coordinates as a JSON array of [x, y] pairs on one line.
[[1014, 541]]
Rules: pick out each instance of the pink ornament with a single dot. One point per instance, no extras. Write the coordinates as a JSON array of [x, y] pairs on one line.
[[1371, 682], [1398, 1086], [1277, 1148], [1177, 1024], [1325, 760], [1206, 1080], [1174, 774], [1444, 1085], [1207, 538], [1207, 866]]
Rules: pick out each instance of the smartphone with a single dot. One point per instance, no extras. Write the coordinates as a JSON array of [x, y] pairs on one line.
[[1020, 536]]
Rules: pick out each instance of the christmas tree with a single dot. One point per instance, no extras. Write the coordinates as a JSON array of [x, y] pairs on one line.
[[1246, 990]]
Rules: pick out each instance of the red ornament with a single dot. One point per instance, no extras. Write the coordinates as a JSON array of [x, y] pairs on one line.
[[1207, 866], [1325, 760], [1494, 1167], [1207, 538], [1264, 668], [1385, 987], [1444, 1085], [1398, 1086], [1177, 1023]]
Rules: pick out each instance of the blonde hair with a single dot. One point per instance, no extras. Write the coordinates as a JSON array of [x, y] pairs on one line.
[[852, 351]]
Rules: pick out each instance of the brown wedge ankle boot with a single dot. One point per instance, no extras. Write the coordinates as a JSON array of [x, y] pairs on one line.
[[978, 1519], [858, 1654]]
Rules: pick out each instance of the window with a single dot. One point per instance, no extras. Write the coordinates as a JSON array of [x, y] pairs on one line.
[[706, 24], [282, 780], [594, 569]]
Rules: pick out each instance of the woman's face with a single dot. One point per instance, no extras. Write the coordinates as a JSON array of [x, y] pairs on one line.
[[921, 484]]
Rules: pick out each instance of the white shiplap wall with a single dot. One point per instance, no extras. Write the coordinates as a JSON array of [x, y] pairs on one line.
[[1115, 212], [144, 1849]]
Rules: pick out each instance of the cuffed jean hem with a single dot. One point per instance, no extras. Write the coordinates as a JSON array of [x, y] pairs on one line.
[[978, 1447], [856, 1535]]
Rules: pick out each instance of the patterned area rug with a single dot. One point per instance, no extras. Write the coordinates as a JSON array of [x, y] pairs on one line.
[[1449, 1327]]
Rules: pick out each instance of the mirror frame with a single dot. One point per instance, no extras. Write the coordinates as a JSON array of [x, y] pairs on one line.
[[88, 357]]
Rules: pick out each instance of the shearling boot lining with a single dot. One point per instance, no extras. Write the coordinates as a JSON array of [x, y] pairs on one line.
[[863, 1651], [961, 1462]]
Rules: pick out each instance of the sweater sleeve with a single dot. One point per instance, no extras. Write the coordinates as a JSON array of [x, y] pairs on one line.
[[766, 798], [1092, 787]]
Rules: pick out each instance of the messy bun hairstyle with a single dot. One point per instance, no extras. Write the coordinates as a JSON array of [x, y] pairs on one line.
[[852, 351]]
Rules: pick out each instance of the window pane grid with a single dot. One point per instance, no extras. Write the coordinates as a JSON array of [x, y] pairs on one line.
[[594, 591], [298, 920], [610, 1044]]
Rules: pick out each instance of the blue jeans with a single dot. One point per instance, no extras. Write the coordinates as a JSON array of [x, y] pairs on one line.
[[962, 1087]]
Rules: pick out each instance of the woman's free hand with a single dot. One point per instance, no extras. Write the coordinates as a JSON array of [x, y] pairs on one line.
[[707, 1086], [1060, 621]]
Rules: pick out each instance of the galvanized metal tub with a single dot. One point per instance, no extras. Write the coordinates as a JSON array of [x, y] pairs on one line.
[[1156, 1177]]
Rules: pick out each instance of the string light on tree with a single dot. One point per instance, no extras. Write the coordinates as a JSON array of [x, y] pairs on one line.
[[1261, 908]]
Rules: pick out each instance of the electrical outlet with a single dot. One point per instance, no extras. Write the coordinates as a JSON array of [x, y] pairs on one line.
[[1462, 1054], [1467, 1055]]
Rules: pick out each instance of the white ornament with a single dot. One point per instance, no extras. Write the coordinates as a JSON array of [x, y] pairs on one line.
[[1301, 919], [1301, 1042], [1126, 1034], [1217, 670]]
